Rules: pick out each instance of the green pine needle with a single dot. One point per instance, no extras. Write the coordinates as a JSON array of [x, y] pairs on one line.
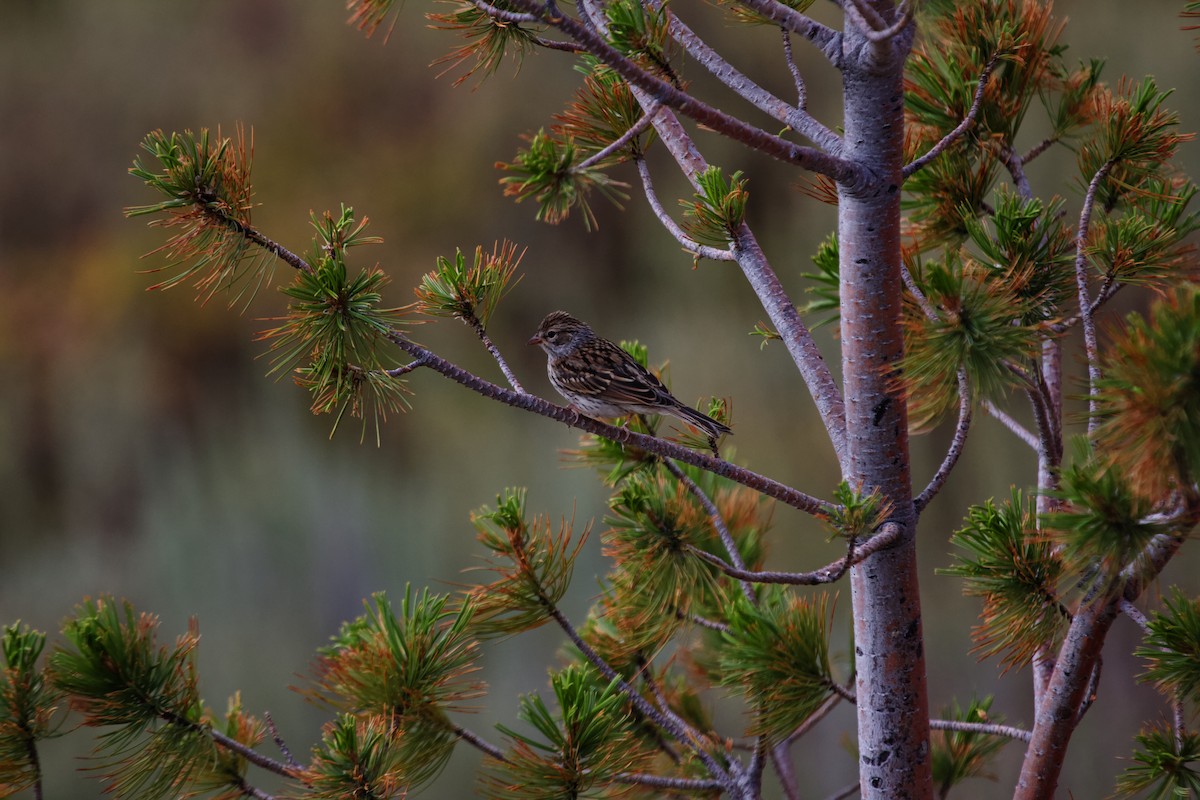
[[29, 709], [717, 210], [143, 694], [777, 653], [958, 755], [827, 280], [1004, 560], [1149, 398], [574, 753], [549, 172], [1172, 647], [359, 757], [469, 293], [602, 111], [1164, 769], [488, 40], [410, 668], [1103, 519], [208, 195], [534, 563]]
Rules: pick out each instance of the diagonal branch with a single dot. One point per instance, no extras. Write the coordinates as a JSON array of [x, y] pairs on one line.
[[572, 418], [841, 170], [695, 248], [478, 742], [956, 444], [794, 116], [1021, 432], [962, 127], [718, 522], [625, 138], [476, 325]]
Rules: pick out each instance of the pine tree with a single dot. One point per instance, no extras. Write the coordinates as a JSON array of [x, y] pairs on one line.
[[954, 286]]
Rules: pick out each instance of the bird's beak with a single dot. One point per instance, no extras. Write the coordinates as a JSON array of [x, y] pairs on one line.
[[535, 339]]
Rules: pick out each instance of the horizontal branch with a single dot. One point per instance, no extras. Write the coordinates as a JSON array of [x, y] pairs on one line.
[[987, 728], [650, 444], [476, 741], [825, 39], [676, 784], [829, 573]]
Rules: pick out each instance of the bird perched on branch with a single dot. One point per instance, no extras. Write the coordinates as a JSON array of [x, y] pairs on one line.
[[602, 381]]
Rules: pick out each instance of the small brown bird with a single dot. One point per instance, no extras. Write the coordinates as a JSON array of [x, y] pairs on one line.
[[602, 381]]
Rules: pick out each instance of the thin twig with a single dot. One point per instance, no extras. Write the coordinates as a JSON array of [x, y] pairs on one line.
[[845, 171], [677, 784], [704, 622], [1016, 168], [667, 720], [963, 126], [625, 138], [872, 25], [718, 523], [695, 248], [829, 573], [476, 741], [1085, 303], [980, 727], [827, 40], [910, 283], [811, 721], [476, 325], [416, 363], [956, 444], [794, 68], [1015, 427], [1038, 149], [503, 15], [279, 742], [248, 753]]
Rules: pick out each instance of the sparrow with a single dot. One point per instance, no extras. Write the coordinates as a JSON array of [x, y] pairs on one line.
[[602, 381]]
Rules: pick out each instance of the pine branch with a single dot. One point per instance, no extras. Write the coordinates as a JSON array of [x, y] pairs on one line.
[[813, 719], [798, 79], [675, 784], [956, 444], [825, 39], [887, 536], [718, 522], [233, 745], [279, 742], [695, 248], [873, 26], [1019, 430], [620, 142], [474, 324], [793, 116], [962, 127], [980, 727], [1091, 345], [667, 720], [478, 742], [841, 170], [784, 771], [650, 444]]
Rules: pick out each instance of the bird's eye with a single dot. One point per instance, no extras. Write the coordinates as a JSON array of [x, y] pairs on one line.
[[551, 335]]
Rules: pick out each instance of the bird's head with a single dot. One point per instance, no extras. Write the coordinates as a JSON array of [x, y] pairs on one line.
[[559, 333]]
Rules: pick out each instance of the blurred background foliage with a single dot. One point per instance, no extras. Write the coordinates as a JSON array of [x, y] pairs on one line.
[[146, 454]]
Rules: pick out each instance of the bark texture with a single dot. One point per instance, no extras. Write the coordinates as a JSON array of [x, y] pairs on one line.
[[893, 715]]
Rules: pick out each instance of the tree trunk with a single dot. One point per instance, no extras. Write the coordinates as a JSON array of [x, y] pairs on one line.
[[893, 711]]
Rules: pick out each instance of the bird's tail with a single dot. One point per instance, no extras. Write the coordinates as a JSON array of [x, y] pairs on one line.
[[702, 421]]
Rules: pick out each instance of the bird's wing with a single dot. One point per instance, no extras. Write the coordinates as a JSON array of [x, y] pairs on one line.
[[609, 372]]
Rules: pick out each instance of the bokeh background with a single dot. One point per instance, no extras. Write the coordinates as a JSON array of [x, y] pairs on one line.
[[145, 454]]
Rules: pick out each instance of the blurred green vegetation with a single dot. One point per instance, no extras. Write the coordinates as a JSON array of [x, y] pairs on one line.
[[145, 454]]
